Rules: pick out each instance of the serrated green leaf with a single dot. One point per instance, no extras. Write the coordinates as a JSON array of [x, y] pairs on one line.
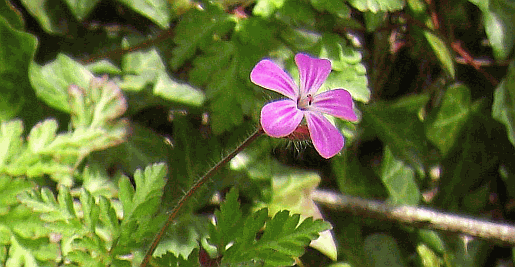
[[169, 259], [228, 221], [10, 141], [10, 188], [81, 8], [399, 179], [196, 29], [42, 135], [503, 108], [51, 81], [98, 105], [348, 72], [378, 5], [140, 204], [286, 239], [292, 191], [283, 239], [444, 130], [90, 210], [156, 10]]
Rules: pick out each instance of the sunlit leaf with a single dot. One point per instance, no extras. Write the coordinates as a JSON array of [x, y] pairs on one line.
[[377, 5], [82, 8], [156, 10], [51, 81], [498, 16]]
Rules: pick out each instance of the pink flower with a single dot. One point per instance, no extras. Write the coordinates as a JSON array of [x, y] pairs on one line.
[[281, 118]]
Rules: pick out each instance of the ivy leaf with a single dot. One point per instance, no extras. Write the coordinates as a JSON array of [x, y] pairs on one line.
[[144, 68], [444, 128], [16, 53], [156, 10], [81, 8], [442, 52], [399, 179], [398, 125], [377, 5], [49, 14], [382, 250], [503, 109], [498, 17], [335, 7]]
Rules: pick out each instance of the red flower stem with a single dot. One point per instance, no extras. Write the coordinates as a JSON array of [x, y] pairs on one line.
[[194, 189]]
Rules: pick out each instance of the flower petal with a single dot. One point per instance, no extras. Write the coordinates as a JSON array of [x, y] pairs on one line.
[[337, 102], [270, 76], [313, 73], [280, 118], [328, 141]]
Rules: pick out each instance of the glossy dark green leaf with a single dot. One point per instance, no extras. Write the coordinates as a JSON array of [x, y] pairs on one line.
[[503, 108], [499, 17], [444, 128], [51, 14], [16, 53], [82, 8], [442, 52], [400, 128]]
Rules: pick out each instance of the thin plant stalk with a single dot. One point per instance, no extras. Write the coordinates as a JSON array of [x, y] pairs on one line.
[[192, 191]]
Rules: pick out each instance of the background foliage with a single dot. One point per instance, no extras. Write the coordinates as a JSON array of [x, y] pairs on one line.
[[111, 109]]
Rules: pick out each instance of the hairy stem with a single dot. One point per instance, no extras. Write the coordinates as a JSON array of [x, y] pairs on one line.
[[420, 217], [194, 189]]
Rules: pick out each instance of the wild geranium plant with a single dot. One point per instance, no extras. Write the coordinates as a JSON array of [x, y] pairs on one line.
[[280, 118], [107, 129]]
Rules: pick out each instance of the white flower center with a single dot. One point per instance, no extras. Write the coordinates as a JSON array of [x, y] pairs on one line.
[[304, 102]]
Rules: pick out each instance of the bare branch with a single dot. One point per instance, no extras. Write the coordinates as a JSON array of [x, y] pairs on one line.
[[418, 216]]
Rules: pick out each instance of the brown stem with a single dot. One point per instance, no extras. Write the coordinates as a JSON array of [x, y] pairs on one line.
[[192, 191], [418, 216]]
